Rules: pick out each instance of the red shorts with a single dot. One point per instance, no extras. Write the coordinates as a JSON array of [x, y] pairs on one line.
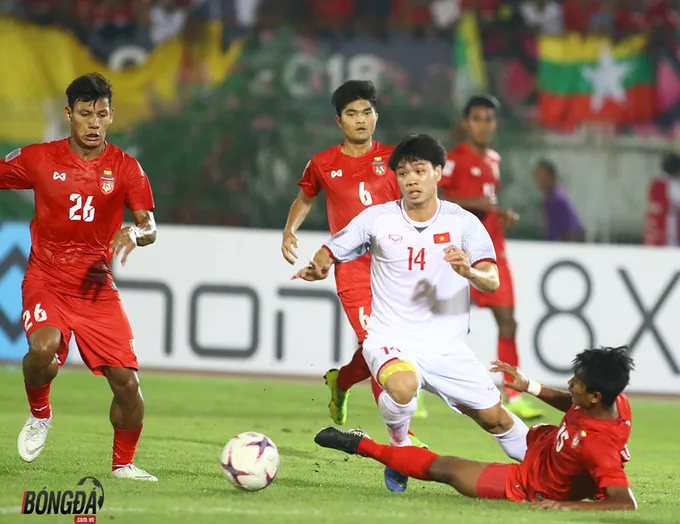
[[357, 306], [491, 482], [103, 333], [504, 296]]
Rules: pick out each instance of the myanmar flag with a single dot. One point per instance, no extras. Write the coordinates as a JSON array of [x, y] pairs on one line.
[[591, 79], [468, 60]]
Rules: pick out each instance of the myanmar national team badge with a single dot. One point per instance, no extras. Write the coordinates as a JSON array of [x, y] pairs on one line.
[[107, 182], [379, 166]]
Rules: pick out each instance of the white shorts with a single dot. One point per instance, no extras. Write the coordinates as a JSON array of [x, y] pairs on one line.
[[452, 373]]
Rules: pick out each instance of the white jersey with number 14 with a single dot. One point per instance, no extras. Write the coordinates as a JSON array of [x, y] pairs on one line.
[[416, 294]]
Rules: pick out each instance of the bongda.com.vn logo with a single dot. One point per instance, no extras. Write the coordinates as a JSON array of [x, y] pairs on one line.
[[86, 499]]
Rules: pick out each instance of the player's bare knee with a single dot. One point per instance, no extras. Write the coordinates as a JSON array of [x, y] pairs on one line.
[[43, 346], [124, 382], [402, 386], [441, 471], [507, 327]]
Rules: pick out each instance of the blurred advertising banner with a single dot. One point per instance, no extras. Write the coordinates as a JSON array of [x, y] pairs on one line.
[[217, 299]]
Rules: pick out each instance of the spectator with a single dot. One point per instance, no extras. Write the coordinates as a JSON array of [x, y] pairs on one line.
[[602, 21], [413, 16], [544, 16], [577, 14], [662, 223], [561, 220], [445, 13]]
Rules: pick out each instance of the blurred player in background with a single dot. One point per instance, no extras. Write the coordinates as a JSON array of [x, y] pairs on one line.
[[425, 254], [81, 185], [582, 458], [355, 175], [471, 178]]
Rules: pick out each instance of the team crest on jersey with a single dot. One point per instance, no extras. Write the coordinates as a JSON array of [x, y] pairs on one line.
[[107, 182], [379, 166]]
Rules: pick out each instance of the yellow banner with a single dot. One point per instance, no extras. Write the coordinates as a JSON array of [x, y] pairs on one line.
[[38, 63], [574, 48]]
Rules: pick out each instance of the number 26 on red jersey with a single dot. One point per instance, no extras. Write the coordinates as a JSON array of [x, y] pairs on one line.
[[39, 315], [79, 210]]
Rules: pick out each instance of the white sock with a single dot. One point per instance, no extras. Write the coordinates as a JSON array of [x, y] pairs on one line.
[[514, 441], [397, 417]]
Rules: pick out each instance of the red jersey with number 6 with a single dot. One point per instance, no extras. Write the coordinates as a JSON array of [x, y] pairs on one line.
[[352, 184], [577, 460], [468, 174], [79, 207]]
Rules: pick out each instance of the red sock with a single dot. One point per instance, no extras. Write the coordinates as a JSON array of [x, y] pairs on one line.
[[507, 352], [124, 446], [39, 400], [410, 461], [354, 372]]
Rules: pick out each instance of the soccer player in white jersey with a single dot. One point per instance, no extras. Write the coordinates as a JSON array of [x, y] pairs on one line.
[[425, 253]]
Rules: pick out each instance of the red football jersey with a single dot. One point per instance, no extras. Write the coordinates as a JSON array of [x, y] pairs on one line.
[[576, 460], [79, 206], [352, 184], [470, 175]]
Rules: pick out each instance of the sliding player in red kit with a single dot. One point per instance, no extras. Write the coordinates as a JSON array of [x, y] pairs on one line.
[[355, 176], [470, 179], [582, 458], [81, 185]]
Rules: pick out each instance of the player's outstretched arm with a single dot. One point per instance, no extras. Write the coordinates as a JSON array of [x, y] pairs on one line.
[[558, 399], [618, 498], [296, 216]]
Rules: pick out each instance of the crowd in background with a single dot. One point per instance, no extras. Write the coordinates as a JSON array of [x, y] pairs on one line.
[[423, 18]]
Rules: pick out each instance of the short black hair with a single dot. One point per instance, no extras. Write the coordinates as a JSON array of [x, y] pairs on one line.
[[88, 88], [354, 90], [418, 147], [671, 163], [489, 101], [605, 370], [548, 165]]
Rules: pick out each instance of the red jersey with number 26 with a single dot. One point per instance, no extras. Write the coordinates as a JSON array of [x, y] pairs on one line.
[[468, 174], [352, 184], [576, 460], [79, 207]]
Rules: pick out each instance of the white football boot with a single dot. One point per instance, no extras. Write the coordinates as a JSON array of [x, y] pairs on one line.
[[32, 438], [131, 471]]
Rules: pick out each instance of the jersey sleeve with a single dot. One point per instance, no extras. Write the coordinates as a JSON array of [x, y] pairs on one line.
[[310, 183], [476, 241], [14, 173], [354, 240], [604, 463], [138, 195]]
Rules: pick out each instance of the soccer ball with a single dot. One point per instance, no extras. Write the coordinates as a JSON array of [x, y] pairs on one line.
[[250, 461]]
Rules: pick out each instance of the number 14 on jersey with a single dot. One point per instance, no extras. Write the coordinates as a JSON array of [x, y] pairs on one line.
[[416, 259]]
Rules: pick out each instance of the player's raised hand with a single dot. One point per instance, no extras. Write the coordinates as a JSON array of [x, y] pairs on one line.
[[289, 242], [312, 272], [459, 261], [519, 381], [124, 241]]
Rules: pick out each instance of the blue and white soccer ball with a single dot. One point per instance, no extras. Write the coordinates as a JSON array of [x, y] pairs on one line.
[[250, 461]]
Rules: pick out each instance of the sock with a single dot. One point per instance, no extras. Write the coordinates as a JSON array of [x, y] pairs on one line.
[[354, 372], [397, 418], [124, 446], [514, 441], [377, 391], [507, 352], [410, 461], [39, 400]]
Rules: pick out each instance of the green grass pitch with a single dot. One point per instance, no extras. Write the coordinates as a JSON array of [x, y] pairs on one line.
[[190, 418]]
